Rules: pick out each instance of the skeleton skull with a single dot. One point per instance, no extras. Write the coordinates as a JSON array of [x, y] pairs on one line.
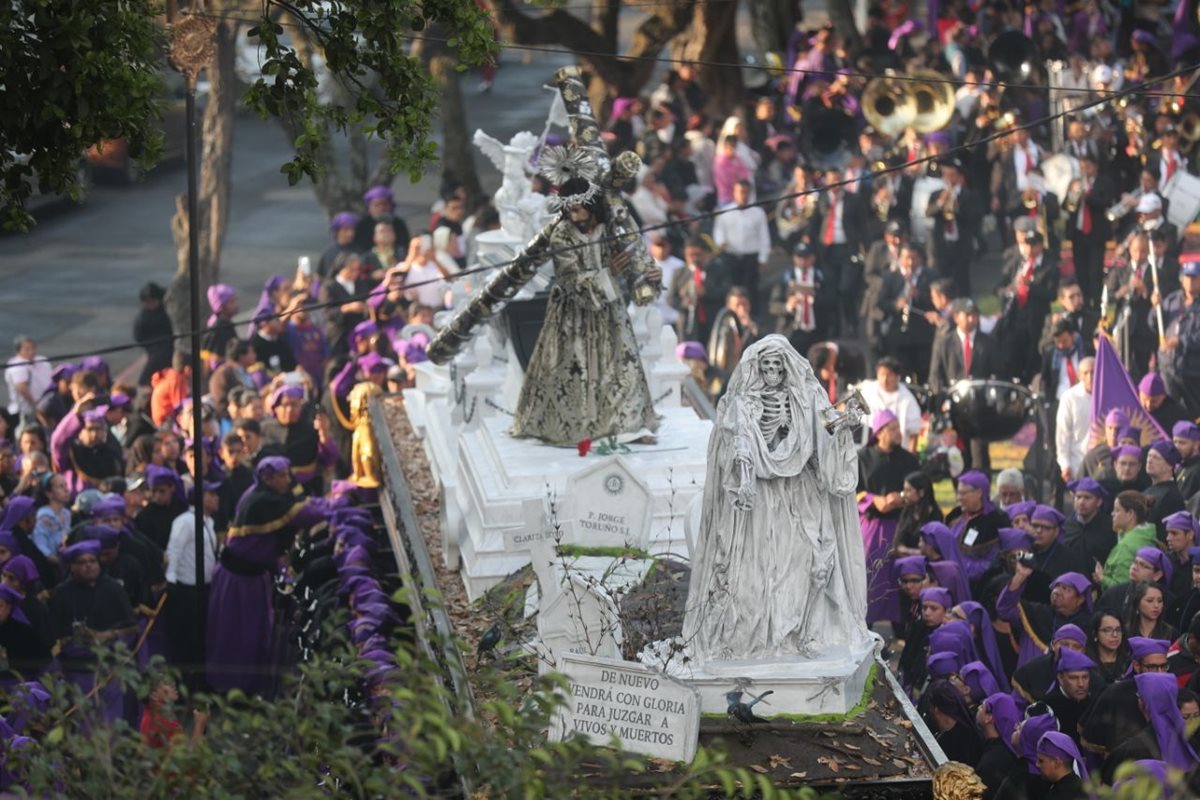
[[772, 369]]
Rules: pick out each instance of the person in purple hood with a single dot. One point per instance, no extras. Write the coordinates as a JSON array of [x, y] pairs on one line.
[[1028, 782], [1116, 715], [240, 617], [1062, 766], [1164, 736], [976, 523], [1088, 530], [300, 432], [996, 719], [1033, 622], [1033, 680]]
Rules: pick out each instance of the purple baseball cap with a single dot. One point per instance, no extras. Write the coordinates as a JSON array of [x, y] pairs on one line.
[[1168, 452], [1077, 582], [1070, 632], [1186, 429], [1151, 385], [936, 594], [1116, 418], [1088, 486], [911, 565]]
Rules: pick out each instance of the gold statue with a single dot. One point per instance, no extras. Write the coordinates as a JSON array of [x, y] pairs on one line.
[[364, 457], [956, 781]]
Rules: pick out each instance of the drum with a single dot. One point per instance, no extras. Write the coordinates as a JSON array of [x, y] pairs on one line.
[[990, 410], [1059, 170]]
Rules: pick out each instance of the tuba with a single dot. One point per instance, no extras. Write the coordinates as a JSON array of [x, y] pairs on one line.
[[1189, 130], [888, 107], [934, 100]]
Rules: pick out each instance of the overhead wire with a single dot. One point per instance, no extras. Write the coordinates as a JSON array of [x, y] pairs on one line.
[[865, 179]]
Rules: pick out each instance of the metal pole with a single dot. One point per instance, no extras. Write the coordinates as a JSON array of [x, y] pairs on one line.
[[197, 369]]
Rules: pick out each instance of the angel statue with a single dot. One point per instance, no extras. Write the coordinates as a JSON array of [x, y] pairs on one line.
[[585, 378], [522, 210], [779, 570]]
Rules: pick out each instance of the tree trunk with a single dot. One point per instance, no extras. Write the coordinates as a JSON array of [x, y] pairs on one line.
[[772, 22], [712, 37], [213, 188], [458, 153], [841, 14]]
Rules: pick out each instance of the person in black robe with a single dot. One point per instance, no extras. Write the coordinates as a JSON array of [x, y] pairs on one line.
[[25, 654], [110, 512], [1071, 694], [935, 602], [342, 229], [1051, 556], [19, 519], [166, 503], [344, 297], [86, 609], [222, 299], [1057, 758], [1097, 462], [153, 331], [56, 402], [882, 467], [122, 568], [20, 574], [300, 433], [996, 717], [1116, 716], [1161, 460], [950, 719], [271, 345], [1088, 531], [381, 207], [1186, 438]]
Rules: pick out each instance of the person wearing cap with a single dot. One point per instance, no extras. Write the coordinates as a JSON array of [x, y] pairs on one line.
[[1088, 227], [1161, 460], [1097, 463], [1088, 530], [381, 207], [165, 503], [1127, 474], [1185, 435], [1029, 282], [86, 609], [1062, 766], [883, 256], [904, 331], [341, 229], [119, 565], [1152, 394], [56, 401], [935, 603], [957, 212], [80, 447], [239, 629], [795, 300], [302, 433], [1033, 680], [1028, 782], [112, 511], [1163, 735], [975, 522], [1116, 716], [271, 345], [887, 393], [1073, 690], [997, 718], [1051, 556], [882, 467], [1033, 622], [1179, 358], [223, 305], [152, 329]]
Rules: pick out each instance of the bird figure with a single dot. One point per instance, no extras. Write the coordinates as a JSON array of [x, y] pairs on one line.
[[741, 711], [489, 640]]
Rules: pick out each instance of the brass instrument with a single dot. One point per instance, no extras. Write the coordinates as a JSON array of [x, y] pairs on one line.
[[883, 199], [888, 106], [1074, 197], [949, 201], [1189, 131], [934, 99], [847, 413], [1119, 209]]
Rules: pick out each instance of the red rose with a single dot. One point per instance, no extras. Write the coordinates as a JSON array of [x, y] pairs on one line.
[[583, 447]]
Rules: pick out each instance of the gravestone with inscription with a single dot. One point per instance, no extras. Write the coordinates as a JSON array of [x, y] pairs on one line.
[[606, 505], [647, 711]]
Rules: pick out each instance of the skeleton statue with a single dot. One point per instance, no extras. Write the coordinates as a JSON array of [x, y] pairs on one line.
[[585, 378], [779, 570], [522, 210]]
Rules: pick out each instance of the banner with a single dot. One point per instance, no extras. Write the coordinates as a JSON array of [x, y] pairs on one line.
[[1113, 388]]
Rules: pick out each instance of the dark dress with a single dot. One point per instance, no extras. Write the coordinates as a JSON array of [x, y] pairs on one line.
[[1114, 718], [1093, 539], [240, 616], [960, 745], [154, 521], [25, 652], [879, 474], [995, 763]]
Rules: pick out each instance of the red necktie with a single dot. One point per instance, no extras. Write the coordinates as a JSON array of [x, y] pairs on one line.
[[833, 390], [967, 355], [1071, 377], [806, 302], [1023, 285], [701, 314], [1030, 163], [1170, 167], [830, 221]]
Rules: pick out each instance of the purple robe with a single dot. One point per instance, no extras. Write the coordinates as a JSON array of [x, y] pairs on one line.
[[883, 598]]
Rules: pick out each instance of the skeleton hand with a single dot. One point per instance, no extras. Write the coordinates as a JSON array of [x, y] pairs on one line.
[[744, 499]]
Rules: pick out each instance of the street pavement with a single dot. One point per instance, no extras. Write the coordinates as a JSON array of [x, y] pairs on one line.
[[72, 282]]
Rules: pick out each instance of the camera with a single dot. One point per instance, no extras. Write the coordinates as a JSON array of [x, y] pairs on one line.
[[1025, 557]]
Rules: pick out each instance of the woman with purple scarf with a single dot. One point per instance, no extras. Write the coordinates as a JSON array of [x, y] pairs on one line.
[[951, 722], [976, 523], [1028, 782], [945, 561], [935, 602], [240, 613], [882, 466]]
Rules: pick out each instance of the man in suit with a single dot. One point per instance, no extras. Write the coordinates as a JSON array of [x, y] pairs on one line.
[[1079, 145], [965, 352], [883, 257], [1087, 226], [1014, 161], [841, 239], [1030, 284], [1074, 308], [956, 214], [696, 291], [345, 295], [1169, 162], [905, 333], [1130, 285], [795, 300]]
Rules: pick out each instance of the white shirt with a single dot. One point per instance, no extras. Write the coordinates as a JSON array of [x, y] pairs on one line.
[[1073, 424], [743, 231], [1021, 158], [430, 294], [900, 402], [668, 266], [1064, 376], [181, 550], [35, 374]]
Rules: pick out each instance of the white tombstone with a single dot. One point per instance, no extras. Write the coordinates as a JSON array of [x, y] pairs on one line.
[[647, 711], [606, 505], [581, 619]]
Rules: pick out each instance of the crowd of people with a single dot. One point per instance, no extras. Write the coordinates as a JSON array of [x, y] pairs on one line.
[[1040, 639]]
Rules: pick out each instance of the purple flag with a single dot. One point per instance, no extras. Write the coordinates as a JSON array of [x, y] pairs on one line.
[[1113, 388]]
